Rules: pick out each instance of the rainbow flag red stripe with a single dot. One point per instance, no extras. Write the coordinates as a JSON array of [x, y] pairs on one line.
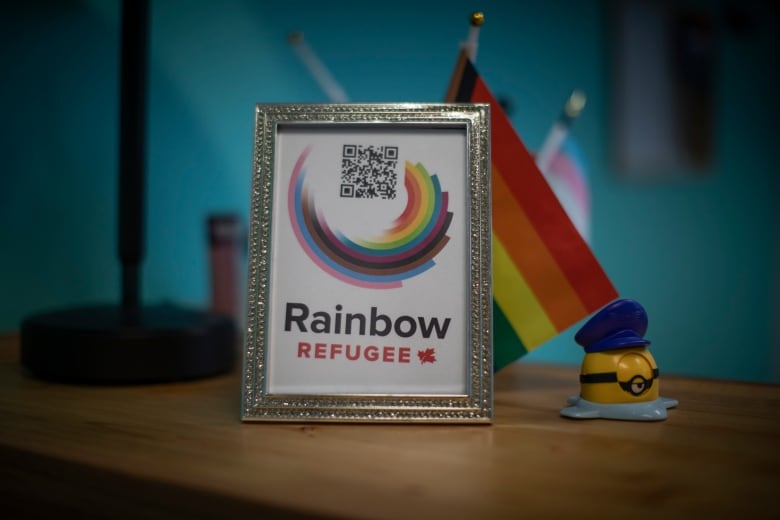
[[545, 277]]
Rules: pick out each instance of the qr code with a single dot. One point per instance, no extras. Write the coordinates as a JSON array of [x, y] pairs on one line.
[[369, 171]]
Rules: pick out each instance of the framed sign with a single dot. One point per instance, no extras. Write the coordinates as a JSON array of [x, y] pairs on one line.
[[370, 293]]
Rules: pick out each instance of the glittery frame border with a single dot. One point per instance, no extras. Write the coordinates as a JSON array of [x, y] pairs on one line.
[[477, 405]]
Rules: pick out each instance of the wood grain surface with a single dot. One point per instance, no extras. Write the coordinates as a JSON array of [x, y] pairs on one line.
[[180, 450]]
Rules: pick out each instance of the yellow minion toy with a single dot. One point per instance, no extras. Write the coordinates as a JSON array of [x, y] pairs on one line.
[[619, 377]]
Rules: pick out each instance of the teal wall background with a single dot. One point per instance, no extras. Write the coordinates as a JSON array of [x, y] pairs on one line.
[[701, 253]]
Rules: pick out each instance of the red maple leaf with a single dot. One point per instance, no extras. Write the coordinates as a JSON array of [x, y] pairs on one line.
[[427, 356]]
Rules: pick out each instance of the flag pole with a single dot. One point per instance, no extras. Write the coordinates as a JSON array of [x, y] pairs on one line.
[[321, 74], [471, 44], [467, 53], [559, 130]]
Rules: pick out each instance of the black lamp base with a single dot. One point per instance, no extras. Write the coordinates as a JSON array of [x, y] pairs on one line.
[[104, 345]]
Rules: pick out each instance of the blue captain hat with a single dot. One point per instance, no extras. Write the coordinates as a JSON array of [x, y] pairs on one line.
[[621, 324]]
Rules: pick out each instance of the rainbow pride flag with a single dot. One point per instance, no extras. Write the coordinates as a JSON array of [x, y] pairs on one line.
[[545, 277]]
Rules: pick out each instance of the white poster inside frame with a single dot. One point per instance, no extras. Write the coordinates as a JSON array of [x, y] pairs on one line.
[[370, 284]]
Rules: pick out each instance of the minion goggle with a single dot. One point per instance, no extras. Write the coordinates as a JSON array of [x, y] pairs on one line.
[[637, 385]]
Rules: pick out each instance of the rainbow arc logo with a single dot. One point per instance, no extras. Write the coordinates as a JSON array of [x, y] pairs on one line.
[[405, 249]]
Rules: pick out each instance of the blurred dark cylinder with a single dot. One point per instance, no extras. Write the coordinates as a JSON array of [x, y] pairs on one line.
[[225, 237], [132, 147]]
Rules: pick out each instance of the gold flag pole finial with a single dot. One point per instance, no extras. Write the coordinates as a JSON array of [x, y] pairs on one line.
[[295, 37], [477, 18], [575, 104]]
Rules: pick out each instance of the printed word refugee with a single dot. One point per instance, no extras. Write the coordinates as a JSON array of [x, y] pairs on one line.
[[386, 354]]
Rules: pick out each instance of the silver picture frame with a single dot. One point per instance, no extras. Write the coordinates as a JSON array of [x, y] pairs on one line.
[[369, 276]]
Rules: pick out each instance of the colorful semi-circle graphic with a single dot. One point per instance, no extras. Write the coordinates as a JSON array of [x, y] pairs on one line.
[[405, 249]]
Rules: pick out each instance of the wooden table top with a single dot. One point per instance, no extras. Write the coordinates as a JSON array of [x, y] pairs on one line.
[[180, 449]]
